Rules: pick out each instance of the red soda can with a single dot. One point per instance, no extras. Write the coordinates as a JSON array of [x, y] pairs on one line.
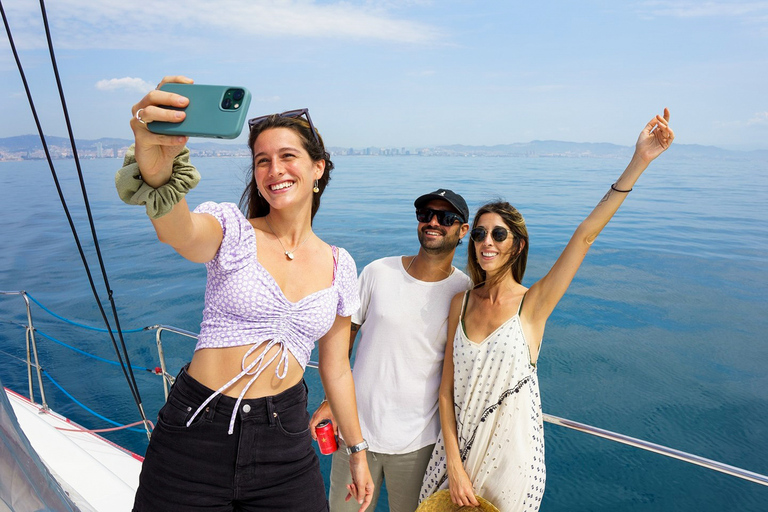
[[326, 440]]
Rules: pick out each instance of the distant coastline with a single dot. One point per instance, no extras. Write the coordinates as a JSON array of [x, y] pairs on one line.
[[29, 147]]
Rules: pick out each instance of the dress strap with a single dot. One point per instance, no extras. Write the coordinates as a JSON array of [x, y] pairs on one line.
[[464, 302], [335, 251], [520, 307]]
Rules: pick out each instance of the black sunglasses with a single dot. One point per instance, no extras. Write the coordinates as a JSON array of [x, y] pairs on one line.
[[444, 218], [293, 114], [498, 233]]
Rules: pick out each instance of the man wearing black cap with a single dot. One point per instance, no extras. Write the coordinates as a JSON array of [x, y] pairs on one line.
[[399, 360]]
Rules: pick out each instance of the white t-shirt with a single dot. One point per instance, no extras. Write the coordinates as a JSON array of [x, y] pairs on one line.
[[399, 359]]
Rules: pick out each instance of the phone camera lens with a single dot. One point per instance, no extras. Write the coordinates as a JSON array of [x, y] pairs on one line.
[[226, 104], [238, 94]]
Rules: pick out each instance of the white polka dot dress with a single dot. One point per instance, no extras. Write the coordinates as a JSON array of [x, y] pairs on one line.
[[498, 419]]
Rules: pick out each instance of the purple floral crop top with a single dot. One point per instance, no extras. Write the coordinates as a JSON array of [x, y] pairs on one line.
[[245, 306]]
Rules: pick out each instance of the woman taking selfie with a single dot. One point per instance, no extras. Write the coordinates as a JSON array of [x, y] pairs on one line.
[[234, 433], [492, 441]]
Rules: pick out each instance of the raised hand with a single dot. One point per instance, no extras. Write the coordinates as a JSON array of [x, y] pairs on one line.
[[155, 153], [655, 138]]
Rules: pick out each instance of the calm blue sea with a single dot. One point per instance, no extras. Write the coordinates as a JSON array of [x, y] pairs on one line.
[[662, 335]]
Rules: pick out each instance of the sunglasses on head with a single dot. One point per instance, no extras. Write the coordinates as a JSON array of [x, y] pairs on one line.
[[293, 114], [444, 217], [499, 234]]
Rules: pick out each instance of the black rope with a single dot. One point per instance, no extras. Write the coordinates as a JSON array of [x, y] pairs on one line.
[[132, 380], [127, 372]]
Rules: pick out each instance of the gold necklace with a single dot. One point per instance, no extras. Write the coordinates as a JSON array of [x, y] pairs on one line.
[[288, 253], [411, 263], [414, 259]]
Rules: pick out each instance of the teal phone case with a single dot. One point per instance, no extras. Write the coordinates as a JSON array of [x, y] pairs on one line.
[[215, 111]]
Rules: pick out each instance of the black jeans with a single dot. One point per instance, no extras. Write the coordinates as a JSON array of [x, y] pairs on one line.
[[267, 464]]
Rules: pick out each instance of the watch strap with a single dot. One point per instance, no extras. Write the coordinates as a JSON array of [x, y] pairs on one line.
[[357, 448]]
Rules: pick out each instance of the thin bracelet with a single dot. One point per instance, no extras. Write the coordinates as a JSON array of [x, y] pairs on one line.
[[613, 187]]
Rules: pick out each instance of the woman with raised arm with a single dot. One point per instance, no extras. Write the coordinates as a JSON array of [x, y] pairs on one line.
[[492, 442], [234, 433]]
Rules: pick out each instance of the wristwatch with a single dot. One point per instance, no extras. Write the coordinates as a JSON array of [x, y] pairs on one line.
[[357, 448]]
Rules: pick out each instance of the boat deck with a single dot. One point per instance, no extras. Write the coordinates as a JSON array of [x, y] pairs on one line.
[[97, 474]]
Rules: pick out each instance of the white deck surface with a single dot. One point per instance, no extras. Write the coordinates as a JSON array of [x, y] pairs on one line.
[[99, 472]]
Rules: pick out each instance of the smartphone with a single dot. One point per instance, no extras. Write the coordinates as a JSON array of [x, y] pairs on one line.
[[216, 111]]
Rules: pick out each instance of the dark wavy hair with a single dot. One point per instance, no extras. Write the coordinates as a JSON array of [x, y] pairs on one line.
[[251, 202], [519, 255]]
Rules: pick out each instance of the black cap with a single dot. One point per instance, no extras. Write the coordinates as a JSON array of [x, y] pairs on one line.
[[452, 197]]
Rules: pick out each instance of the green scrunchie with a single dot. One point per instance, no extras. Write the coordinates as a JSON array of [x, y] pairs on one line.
[[133, 190]]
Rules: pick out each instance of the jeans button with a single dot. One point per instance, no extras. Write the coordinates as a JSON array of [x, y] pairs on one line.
[[246, 408]]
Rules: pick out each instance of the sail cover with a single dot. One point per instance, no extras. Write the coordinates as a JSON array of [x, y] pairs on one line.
[[25, 483]]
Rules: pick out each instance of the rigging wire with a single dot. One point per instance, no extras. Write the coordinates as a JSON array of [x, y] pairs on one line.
[[125, 366], [88, 409]]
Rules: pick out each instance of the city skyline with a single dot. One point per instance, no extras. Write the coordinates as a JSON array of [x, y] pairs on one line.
[[28, 147]]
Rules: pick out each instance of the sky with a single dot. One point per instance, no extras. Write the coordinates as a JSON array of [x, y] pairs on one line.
[[408, 73]]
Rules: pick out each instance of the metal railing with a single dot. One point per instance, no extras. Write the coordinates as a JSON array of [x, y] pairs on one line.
[[31, 344], [554, 420], [657, 448], [168, 379]]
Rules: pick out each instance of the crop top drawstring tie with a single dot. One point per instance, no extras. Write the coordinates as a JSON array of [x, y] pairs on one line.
[[255, 368], [245, 306]]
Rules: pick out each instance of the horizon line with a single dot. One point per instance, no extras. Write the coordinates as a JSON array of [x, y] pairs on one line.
[[202, 140]]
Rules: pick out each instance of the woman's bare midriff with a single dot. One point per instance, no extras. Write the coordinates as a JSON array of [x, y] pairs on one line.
[[214, 367]]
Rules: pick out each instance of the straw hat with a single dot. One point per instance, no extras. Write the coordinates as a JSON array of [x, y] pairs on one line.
[[441, 502]]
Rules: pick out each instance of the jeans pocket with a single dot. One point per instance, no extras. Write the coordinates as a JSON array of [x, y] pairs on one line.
[[293, 421], [176, 412]]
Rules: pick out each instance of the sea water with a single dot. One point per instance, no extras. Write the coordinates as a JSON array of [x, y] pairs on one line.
[[661, 336]]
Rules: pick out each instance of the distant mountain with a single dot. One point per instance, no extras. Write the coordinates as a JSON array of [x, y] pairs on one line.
[[32, 143], [537, 148], [554, 148], [29, 147], [543, 148]]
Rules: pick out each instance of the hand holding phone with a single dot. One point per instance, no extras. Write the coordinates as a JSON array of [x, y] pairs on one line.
[[216, 111]]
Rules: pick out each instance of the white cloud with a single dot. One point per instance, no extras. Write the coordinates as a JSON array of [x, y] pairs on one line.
[[127, 83], [138, 24], [759, 119], [694, 9]]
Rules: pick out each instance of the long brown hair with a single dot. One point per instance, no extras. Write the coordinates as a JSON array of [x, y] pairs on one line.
[[251, 202], [519, 255]]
